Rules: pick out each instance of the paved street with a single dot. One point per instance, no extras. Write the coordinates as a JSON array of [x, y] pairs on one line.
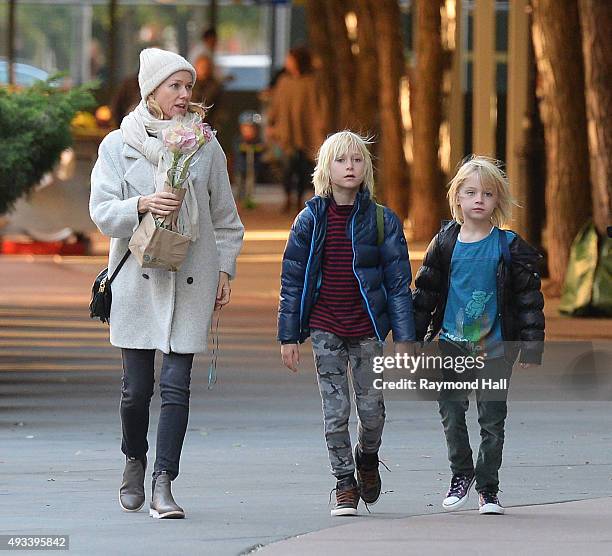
[[254, 467]]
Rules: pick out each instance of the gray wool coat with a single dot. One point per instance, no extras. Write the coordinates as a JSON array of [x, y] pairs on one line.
[[153, 308]]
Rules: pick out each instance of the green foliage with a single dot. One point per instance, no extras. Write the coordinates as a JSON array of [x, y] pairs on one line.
[[34, 130]]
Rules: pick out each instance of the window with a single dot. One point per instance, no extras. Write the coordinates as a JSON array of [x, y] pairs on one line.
[[72, 36]]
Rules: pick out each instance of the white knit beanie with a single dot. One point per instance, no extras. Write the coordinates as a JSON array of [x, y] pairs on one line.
[[156, 66]]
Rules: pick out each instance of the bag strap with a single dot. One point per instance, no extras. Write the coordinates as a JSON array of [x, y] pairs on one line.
[[380, 224], [503, 243], [122, 262]]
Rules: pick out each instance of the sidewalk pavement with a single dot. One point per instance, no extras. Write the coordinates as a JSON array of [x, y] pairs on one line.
[[568, 528]]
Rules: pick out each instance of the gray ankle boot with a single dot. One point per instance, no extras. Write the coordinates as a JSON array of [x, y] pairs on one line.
[[163, 505], [131, 492]]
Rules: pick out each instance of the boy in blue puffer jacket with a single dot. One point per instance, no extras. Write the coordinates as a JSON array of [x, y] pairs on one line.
[[346, 283]]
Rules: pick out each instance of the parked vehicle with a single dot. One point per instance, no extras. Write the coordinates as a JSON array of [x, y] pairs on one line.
[[245, 72], [25, 74]]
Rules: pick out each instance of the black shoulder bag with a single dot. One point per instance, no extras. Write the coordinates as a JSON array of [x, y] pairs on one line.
[[101, 296]]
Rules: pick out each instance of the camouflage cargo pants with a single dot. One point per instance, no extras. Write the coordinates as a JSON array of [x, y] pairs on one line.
[[333, 355]]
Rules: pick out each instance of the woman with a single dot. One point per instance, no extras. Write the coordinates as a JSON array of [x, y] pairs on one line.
[[155, 309], [295, 121]]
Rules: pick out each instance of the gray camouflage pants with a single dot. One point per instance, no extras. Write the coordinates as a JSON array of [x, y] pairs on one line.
[[333, 355]]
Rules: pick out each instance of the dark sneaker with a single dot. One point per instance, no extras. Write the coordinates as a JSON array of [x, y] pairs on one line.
[[347, 497], [458, 492], [489, 503], [368, 477]]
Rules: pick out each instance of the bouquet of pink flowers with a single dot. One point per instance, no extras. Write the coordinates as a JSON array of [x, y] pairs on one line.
[[183, 141], [158, 242]]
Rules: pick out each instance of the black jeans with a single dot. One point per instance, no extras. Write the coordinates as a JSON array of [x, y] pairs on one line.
[[298, 172], [491, 418], [136, 393]]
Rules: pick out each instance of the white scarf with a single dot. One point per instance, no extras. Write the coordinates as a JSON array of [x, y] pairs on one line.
[[136, 129]]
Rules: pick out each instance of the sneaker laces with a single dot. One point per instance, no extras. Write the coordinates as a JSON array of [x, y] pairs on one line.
[[489, 497], [458, 483], [370, 475], [345, 496], [372, 470], [384, 465], [330, 495]]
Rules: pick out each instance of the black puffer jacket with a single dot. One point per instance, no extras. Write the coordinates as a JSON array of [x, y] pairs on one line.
[[519, 299]]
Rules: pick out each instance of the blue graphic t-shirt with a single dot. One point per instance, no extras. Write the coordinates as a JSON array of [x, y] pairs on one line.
[[471, 315]]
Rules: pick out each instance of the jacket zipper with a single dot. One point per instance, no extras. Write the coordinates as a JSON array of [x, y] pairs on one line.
[[305, 289], [499, 297], [357, 277]]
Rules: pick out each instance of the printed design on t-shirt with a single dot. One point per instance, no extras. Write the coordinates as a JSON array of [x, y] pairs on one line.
[[476, 306], [472, 321], [475, 319]]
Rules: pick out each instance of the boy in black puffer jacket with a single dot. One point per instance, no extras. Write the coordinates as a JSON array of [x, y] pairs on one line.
[[479, 288]]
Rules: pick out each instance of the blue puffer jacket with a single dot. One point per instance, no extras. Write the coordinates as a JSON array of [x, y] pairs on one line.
[[383, 272]]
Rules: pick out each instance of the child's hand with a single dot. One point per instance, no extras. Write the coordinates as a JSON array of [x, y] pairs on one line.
[[290, 355]]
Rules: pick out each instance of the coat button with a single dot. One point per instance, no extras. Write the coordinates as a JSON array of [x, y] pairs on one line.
[[145, 276], [190, 280]]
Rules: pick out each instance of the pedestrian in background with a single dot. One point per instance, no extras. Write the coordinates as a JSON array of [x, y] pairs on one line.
[[126, 99], [207, 46], [296, 122], [154, 309], [208, 90], [346, 283], [479, 287]]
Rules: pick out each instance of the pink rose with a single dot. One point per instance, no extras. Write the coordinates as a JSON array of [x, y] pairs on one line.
[[180, 139], [205, 132]]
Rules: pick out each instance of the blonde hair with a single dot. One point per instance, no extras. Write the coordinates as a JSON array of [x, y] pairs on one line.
[[156, 111], [491, 176], [336, 145]]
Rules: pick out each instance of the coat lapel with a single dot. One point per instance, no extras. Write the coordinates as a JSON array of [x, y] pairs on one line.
[[139, 172]]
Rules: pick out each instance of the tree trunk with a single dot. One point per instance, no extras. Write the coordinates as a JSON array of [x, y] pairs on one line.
[[213, 14], [426, 109], [183, 16], [10, 37], [113, 45], [366, 93], [556, 39], [535, 161], [596, 22], [393, 170], [322, 47], [344, 63]]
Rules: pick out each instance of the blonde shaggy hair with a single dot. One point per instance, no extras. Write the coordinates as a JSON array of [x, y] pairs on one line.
[[335, 146], [491, 177], [156, 111]]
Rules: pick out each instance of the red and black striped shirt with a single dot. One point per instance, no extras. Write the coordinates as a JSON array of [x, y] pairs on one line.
[[339, 309]]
